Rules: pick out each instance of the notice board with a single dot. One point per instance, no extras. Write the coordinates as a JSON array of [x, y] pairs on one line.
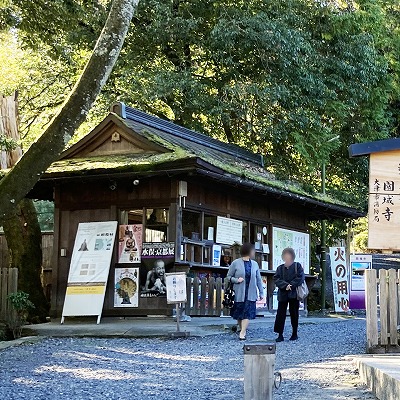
[[298, 241], [229, 231], [89, 269]]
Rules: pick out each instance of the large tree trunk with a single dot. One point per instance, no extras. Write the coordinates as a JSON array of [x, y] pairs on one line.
[[23, 176], [24, 240], [22, 230]]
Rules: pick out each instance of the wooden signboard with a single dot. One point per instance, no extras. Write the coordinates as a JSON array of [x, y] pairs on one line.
[[384, 201]]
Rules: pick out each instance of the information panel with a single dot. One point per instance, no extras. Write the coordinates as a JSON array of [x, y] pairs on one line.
[[358, 264], [89, 269], [298, 241], [229, 231]]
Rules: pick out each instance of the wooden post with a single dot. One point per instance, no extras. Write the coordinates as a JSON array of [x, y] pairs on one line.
[[259, 365], [203, 296], [196, 284], [398, 297], [218, 305], [189, 286], [392, 296], [211, 289], [371, 298], [383, 306]]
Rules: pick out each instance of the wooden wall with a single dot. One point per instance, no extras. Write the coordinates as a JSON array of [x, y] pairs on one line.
[[241, 204]]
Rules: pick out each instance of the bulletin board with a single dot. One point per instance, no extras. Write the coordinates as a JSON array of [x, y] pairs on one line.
[[298, 241]]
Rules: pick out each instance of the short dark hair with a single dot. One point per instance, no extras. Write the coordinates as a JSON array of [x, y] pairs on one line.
[[290, 251], [246, 249]]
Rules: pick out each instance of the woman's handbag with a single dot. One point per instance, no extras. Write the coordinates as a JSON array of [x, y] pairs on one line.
[[229, 296], [302, 290]]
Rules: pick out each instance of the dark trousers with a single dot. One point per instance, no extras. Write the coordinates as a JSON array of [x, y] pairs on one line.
[[281, 315]]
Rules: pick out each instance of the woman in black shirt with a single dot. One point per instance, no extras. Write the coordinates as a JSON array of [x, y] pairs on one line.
[[288, 277]]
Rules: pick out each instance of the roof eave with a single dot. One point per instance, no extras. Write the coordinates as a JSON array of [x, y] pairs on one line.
[[378, 146]]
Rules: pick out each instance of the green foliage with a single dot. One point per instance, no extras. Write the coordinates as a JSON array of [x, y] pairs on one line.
[[21, 306], [45, 215], [278, 77], [359, 229]]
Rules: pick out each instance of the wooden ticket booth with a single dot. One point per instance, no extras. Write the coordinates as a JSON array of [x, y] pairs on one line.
[[179, 196]]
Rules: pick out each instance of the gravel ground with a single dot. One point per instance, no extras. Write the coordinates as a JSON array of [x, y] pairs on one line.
[[195, 368]]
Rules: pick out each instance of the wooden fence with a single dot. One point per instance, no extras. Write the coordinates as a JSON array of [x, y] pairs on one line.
[[204, 297], [383, 294], [47, 249], [8, 285]]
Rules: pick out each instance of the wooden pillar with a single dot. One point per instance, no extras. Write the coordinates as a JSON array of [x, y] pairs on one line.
[[371, 300], [259, 365]]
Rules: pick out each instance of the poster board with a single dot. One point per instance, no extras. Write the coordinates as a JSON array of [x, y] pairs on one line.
[[298, 241], [89, 269], [126, 287], [384, 201], [229, 231], [340, 278], [157, 259], [130, 244], [359, 263], [176, 287]]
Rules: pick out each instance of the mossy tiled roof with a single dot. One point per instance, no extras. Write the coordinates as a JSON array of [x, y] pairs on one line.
[[185, 147]]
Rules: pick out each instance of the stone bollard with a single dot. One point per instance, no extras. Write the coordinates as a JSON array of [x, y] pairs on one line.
[[259, 365]]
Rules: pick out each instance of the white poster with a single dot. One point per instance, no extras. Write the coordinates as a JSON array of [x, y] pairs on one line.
[[229, 231], [176, 287], [89, 269], [298, 241], [340, 278], [126, 287]]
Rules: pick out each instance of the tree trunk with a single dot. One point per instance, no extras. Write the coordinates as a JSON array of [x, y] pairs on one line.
[[22, 230], [42, 153], [24, 240]]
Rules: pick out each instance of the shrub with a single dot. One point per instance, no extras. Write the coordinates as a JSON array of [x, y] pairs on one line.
[[21, 305]]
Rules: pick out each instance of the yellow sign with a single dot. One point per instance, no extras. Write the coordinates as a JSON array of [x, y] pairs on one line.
[[85, 290], [384, 201]]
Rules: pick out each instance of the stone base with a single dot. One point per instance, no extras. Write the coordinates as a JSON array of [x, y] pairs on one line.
[[178, 335]]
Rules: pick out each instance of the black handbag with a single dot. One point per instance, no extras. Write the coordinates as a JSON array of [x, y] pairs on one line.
[[229, 296]]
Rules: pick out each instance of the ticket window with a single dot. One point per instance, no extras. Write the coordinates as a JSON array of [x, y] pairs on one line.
[[155, 222]]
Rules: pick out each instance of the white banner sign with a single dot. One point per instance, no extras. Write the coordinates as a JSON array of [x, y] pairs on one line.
[[126, 287], [89, 269], [340, 278], [298, 241], [176, 287], [229, 230]]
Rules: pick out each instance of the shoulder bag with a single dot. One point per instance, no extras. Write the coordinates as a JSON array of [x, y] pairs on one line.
[[302, 290], [229, 296]]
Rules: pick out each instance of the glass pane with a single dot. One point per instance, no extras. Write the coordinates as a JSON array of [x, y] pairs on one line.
[[191, 222], [131, 217], [210, 221], [157, 224], [156, 216]]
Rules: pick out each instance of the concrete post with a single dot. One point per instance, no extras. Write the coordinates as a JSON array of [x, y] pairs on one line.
[[259, 365]]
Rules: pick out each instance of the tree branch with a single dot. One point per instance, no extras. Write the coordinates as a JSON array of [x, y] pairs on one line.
[[20, 180]]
